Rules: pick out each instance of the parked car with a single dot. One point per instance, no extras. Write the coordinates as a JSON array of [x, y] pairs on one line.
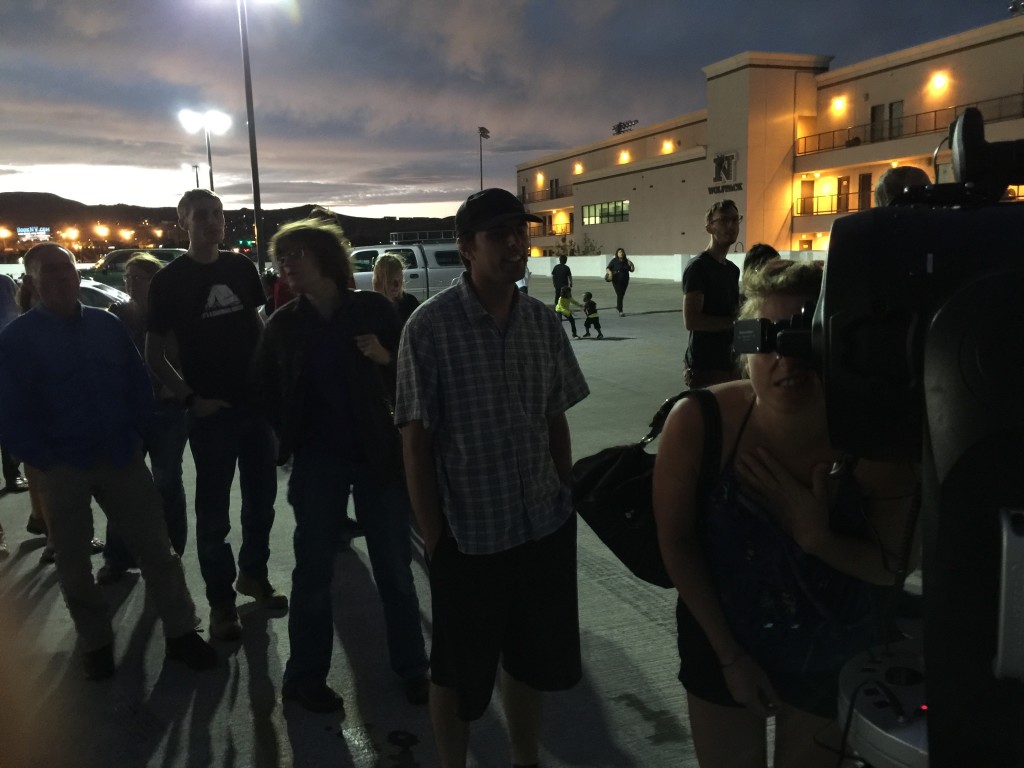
[[109, 268], [429, 267], [93, 293]]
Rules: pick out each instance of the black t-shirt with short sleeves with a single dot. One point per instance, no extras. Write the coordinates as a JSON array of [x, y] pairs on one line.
[[719, 282], [212, 311]]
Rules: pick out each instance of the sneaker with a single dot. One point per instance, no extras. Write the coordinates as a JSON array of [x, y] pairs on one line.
[[99, 664], [97, 546], [36, 526], [193, 650], [48, 556], [16, 485], [417, 690], [110, 574], [575, 336], [622, 314], [4, 551], [314, 697], [262, 591], [224, 623], [586, 335], [600, 335]]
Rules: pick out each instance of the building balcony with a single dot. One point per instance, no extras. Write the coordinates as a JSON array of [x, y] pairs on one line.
[[1009, 107], [547, 194], [823, 205], [553, 230]]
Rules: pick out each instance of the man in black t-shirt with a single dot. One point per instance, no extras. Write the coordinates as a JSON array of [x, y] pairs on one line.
[[208, 301], [561, 276], [711, 301]]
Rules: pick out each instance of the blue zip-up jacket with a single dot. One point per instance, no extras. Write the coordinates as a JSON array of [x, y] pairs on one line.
[[73, 390]]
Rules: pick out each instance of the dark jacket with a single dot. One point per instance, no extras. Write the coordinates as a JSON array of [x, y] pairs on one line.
[[281, 360]]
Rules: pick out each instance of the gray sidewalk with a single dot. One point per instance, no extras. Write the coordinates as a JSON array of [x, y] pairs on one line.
[[629, 710]]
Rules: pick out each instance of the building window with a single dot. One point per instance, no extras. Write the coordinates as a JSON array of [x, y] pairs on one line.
[[606, 213], [896, 119], [864, 192], [806, 245]]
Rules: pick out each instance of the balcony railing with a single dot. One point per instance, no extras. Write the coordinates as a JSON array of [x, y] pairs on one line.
[[555, 230], [1004, 108], [822, 205], [547, 194]]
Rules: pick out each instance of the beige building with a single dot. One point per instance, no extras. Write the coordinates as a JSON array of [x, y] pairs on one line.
[[794, 143]]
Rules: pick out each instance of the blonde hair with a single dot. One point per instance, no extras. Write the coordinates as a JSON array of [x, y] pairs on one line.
[[387, 265], [779, 277]]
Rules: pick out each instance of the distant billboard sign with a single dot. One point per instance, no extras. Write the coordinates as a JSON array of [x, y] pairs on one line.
[[33, 234]]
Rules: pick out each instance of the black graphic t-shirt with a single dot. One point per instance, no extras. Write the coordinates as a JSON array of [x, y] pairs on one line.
[[211, 310]]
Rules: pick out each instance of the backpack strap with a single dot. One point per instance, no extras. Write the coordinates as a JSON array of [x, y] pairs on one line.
[[711, 457]]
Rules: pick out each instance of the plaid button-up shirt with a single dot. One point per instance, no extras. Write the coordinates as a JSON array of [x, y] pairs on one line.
[[485, 397]]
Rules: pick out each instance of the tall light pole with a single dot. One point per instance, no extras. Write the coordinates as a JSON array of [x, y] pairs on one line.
[[484, 134], [257, 211], [209, 122]]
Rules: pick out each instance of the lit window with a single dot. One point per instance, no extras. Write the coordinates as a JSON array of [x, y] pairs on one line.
[[838, 105]]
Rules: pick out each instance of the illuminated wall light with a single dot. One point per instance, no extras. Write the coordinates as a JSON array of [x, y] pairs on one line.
[[938, 83], [817, 174], [624, 157], [895, 163], [838, 106], [577, 168], [540, 179], [667, 147]]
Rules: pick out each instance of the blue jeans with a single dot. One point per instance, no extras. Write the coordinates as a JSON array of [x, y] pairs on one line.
[[165, 444], [235, 435], [318, 492]]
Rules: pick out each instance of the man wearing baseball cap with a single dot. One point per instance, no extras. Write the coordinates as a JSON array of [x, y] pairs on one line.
[[485, 376]]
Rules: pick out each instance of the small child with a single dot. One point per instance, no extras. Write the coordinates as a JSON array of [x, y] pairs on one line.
[[590, 310], [564, 307]]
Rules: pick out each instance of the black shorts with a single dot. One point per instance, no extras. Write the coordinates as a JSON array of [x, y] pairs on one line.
[[519, 606], [700, 669], [700, 672]]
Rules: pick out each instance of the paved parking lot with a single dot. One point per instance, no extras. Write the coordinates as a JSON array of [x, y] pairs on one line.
[[628, 711]]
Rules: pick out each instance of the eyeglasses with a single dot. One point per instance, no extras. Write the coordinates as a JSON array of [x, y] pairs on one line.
[[728, 219]]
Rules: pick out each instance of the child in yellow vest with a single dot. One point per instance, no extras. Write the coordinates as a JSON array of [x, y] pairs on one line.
[[564, 307]]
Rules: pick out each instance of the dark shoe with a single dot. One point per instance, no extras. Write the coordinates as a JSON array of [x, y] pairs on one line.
[[17, 485], [314, 697], [224, 623], [263, 592], [48, 556], [99, 664], [110, 574], [586, 335], [417, 691], [193, 650], [36, 526], [600, 335], [97, 546]]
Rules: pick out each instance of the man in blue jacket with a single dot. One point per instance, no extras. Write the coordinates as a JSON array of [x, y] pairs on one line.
[[74, 397]]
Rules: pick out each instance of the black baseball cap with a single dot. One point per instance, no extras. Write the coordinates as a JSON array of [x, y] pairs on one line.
[[490, 208]]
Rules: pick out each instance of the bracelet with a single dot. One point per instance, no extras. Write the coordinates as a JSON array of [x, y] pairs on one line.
[[739, 655]]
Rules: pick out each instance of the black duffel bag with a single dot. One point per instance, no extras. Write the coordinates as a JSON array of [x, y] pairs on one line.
[[612, 491]]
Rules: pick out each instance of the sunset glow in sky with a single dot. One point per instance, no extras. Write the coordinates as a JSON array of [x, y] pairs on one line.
[[372, 108]]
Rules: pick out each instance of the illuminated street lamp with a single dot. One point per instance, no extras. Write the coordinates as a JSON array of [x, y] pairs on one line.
[[209, 122], [4, 234], [484, 134], [101, 230]]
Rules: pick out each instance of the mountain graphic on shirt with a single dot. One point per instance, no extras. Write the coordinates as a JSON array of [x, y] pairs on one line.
[[221, 301]]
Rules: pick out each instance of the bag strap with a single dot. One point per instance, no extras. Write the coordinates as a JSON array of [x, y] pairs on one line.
[[711, 458]]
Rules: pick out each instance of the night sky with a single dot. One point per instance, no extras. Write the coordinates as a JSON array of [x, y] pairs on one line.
[[372, 107]]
